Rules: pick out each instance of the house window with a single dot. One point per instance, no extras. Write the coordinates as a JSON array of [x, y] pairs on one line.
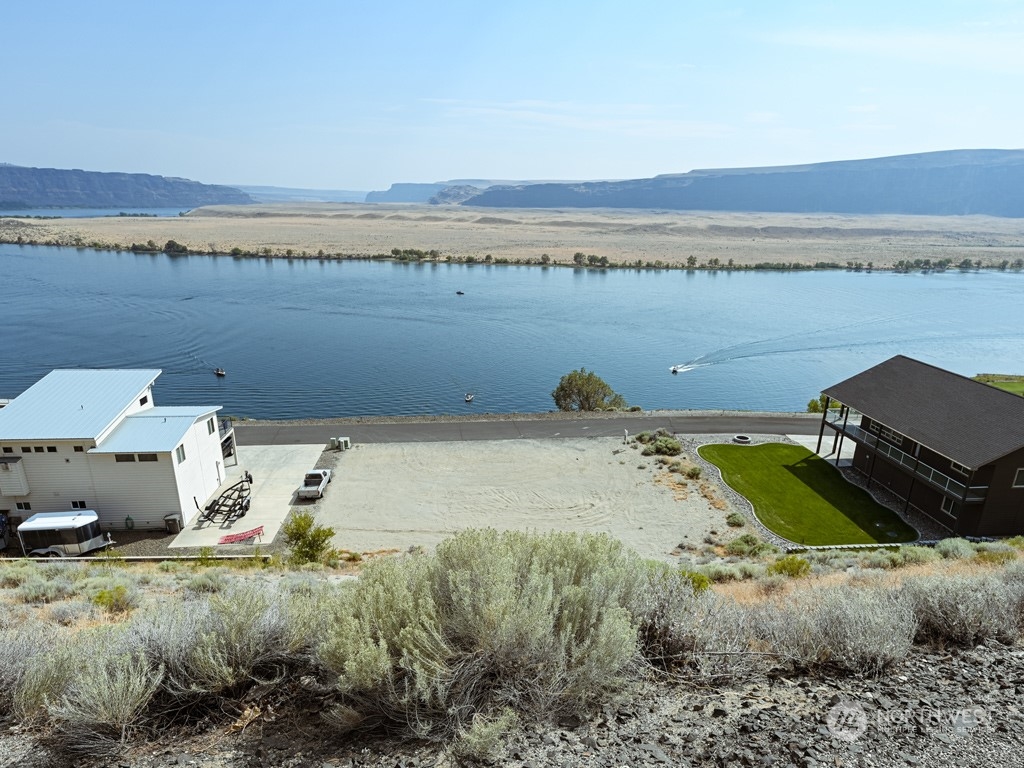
[[210, 428], [79, 449], [24, 506], [180, 453], [873, 426], [124, 457], [39, 449], [144, 400], [8, 449], [78, 505], [1018, 478], [147, 457], [957, 467], [948, 506], [26, 449], [51, 449], [892, 436]]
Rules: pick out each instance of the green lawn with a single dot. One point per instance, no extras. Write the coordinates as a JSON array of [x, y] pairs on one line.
[[1010, 383], [1017, 387], [804, 498]]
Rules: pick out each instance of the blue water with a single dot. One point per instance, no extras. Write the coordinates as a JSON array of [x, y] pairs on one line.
[[90, 213], [316, 339]]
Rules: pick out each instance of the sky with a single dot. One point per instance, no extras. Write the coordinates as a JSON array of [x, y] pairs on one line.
[[358, 95]]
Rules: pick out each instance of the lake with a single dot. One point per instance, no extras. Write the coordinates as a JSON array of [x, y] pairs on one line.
[[309, 339]]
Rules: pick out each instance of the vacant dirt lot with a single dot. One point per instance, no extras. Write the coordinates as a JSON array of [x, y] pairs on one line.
[[401, 495]]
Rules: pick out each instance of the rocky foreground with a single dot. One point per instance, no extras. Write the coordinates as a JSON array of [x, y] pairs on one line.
[[956, 708]]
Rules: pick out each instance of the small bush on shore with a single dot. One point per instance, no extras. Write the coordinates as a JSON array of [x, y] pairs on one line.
[[662, 443], [735, 520]]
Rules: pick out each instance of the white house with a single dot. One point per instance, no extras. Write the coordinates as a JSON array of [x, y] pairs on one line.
[[93, 439]]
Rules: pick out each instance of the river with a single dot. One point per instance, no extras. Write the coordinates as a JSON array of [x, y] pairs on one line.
[[309, 339]]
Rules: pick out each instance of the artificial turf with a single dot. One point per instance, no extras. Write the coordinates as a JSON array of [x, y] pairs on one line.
[[803, 498]]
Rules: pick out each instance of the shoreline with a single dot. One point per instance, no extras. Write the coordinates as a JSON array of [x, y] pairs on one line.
[[516, 416], [593, 239]]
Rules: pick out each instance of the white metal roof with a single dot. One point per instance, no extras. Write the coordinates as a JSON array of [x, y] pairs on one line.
[[54, 521], [73, 404], [155, 430]]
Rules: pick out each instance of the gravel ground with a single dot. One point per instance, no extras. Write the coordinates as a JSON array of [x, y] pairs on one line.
[[938, 708]]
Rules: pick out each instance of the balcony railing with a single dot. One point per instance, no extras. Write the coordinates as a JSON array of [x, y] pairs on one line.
[[940, 480], [224, 427]]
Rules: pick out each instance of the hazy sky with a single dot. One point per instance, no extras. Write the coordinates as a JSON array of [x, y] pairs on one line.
[[357, 95]]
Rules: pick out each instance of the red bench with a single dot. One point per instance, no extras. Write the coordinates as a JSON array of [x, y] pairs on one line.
[[238, 538]]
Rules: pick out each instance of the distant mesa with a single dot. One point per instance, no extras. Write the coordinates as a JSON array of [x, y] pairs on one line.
[[56, 188], [955, 182], [263, 194], [442, 192]]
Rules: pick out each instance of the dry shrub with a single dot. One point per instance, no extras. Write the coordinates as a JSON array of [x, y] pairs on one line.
[[965, 609], [537, 623], [103, 701], [854, 630], [955, 549]]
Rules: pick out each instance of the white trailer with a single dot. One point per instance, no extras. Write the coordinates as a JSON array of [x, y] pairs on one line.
[[61, 534]]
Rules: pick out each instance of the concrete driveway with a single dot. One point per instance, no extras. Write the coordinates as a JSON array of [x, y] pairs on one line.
[[277, 472]]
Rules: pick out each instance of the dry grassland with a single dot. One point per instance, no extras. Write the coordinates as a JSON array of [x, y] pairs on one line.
[[623, 236]]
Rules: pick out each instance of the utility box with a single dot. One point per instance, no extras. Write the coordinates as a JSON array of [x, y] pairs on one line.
[[172, 523]]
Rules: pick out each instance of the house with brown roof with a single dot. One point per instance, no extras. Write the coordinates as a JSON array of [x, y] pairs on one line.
[[946, 445]]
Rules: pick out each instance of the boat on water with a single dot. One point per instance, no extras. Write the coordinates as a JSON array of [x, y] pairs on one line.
[[219, 372], [675, 368], [460, 293], [469, 397]]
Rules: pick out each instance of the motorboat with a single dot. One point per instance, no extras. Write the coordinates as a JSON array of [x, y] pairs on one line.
[[675, 368], [469, 397], [460, 293], [219, 372]]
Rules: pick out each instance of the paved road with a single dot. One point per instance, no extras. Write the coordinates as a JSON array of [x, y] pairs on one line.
[[509, 429]]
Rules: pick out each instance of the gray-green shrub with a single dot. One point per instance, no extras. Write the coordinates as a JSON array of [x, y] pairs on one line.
[[491, 620], [964, 610], [913, 555], [103, 701], [955, 549], [856, 630]]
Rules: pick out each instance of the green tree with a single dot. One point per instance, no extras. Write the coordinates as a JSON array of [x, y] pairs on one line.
[[584, 390], [308, 542]]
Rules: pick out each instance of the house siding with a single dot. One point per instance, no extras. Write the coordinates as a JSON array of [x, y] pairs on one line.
[[142, 490], [1003, 511], [54, 479], [202, 472]]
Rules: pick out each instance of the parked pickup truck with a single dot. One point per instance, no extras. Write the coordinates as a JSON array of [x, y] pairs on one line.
[[314, 484]]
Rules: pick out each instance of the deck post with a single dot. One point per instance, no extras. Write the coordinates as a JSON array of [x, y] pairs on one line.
[[821, 430], [871, 469], [841, 435]]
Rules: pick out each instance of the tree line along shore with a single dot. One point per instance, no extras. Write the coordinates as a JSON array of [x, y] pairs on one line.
[[579, 260]]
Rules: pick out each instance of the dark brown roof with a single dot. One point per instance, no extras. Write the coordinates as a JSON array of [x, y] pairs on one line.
[[964, 420]]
